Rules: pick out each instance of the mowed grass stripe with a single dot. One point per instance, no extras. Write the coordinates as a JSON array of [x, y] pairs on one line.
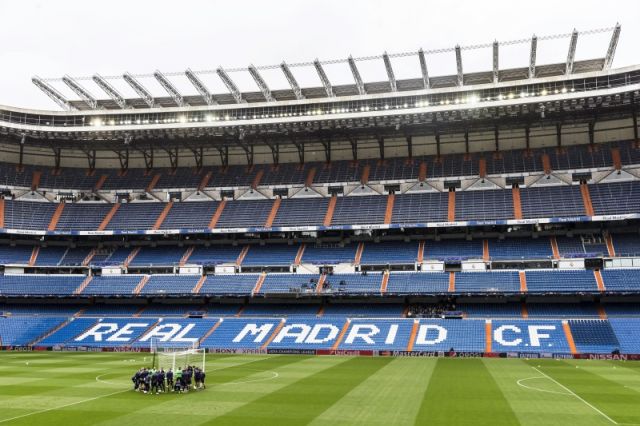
[[463, 391], [392, 395], [52, 390], [536, 400], [620, 404], [216, 401], [617, 372], [97, 405], [302, 401]]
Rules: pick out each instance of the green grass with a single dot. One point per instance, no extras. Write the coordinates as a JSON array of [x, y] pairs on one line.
[[94, 389]]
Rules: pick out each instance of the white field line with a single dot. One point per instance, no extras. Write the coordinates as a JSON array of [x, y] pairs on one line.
[[62, 406], [520, 383], [275, 375], [577, 396]]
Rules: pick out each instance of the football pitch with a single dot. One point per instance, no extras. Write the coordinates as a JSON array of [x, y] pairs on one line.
[[95, 389]]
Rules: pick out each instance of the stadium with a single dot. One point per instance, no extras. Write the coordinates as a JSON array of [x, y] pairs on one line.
[[445, 249]]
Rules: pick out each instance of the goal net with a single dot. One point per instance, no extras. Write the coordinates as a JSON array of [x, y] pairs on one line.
[[173, 358]]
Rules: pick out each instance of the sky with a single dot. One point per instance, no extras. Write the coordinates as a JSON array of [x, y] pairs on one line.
[[82, 38]]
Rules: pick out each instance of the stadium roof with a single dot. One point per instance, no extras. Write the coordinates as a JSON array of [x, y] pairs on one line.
[[204, 97]]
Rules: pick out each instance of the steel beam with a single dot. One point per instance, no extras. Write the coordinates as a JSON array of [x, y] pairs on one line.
[[139, 89], [611, 51], [390, 74], [230, 85], [423, 67], [110, 90], [571, 55], [84, 94], [532, 56], [323, 78], [496, 64], [170, 88], [50, 91], [262, 85], [292, 81], [200, 87], [459, 66], [356, 76]]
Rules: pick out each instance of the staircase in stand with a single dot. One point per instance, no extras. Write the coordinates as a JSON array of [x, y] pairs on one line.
[[328, 217], [586, 198], [34, 255], [242, 255], [615, 157], [185, 257], [388, 214], [546, 164], [100, 183], [257, 178], [89, 257], [364, 177], [35, 181], [422, 172], [49, 333], [163, 216], [517, 203], [320, 284], [205, 181], [153, 183], [131, 256], [209, 332], [451, 211], [273, 213], [108, 217], [198, 286], [1, 212], [259, 282], [141, 284], [310, 176], [385, 282], [216, 216], [299, 255], [359, 251], [84, 285], [53, 223]]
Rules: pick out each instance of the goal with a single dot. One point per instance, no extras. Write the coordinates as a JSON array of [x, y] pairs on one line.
[[172, 357]]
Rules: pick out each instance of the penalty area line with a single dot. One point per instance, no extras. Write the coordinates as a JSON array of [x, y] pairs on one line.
[[521, 383], [572, 393], [46, 410]]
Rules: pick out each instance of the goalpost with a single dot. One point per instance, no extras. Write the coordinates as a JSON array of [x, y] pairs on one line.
[[175, 357]]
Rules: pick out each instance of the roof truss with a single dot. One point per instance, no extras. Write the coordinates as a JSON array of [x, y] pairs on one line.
[[110, 90], [170, 88], [83, 93], [200, 87], [50, 91], [423, 67], [356, 76], [459, 66], [571, 55], [139, 89], [361, 87], [292, 81], [496, 61], [231, 86], [611, 51], [262, 85], [390, 74], [532, 56], [323, 78]]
